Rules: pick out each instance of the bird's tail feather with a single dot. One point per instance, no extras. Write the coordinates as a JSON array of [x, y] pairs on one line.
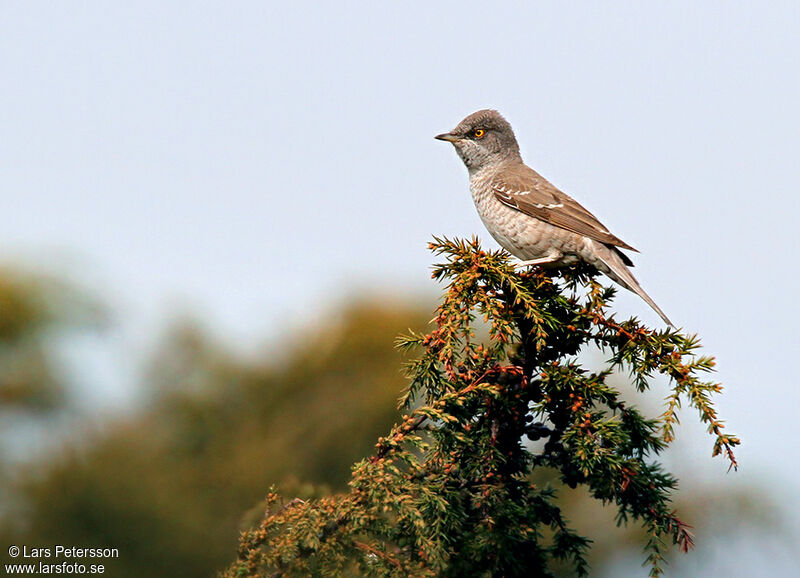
[[622, 275]]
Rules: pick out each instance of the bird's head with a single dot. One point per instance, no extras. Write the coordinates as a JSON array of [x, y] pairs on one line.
[[482, 139]]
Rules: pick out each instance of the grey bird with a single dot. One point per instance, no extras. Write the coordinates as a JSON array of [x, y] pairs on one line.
[[528, 216]]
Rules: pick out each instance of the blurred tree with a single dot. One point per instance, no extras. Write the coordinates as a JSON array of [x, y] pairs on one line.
[[169, 487], [449, 491], [35, 312], [27, 314]]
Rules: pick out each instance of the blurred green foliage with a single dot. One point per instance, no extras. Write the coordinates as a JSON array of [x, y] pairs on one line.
[[26, 377], [170, 485], [34, 311]]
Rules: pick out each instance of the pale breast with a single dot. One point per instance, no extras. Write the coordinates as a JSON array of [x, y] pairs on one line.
[[523, 236]]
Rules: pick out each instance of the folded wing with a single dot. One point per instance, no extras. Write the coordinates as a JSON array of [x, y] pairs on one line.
[[527, 191]]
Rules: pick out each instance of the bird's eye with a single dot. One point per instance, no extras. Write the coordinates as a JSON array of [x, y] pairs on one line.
[[478, 133]]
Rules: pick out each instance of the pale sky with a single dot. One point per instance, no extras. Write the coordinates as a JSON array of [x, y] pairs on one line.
[[254, 161]]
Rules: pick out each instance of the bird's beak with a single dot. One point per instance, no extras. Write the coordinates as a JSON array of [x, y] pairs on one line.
[[448, 136]]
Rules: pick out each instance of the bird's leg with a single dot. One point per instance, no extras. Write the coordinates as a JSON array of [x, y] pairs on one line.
[[541, 261]]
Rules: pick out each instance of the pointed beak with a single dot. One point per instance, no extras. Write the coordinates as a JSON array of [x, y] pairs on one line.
[[448, 136]]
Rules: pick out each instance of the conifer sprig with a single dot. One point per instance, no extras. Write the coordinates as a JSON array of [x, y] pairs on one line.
[[449, 490]]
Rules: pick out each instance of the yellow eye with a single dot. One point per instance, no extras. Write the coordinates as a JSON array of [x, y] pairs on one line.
[[478, 133]]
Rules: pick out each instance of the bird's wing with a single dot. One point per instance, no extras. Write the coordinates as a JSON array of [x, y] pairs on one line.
[[525, 190]]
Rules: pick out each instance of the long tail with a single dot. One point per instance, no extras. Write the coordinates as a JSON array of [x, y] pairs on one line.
[[616, 269]]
